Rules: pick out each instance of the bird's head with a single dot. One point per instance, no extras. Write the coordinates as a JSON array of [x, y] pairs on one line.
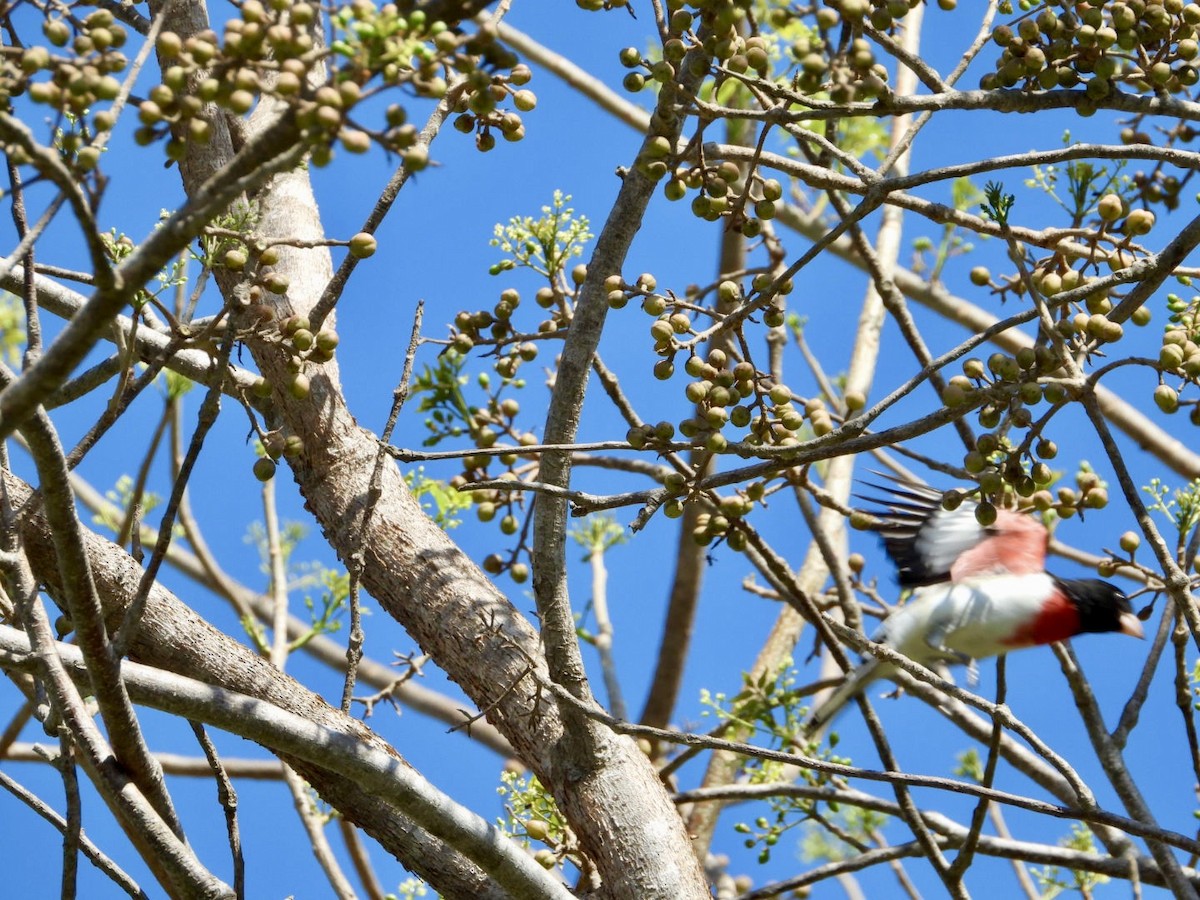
[[1102, 606]]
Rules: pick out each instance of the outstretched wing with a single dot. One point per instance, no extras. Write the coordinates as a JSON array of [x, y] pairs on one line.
[[930, 544]]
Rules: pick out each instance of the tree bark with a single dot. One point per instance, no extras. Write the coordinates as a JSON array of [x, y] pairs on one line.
[[175, 638]]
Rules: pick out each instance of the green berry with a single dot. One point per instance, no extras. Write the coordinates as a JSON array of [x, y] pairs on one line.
[[1166, 398], [363, 245]]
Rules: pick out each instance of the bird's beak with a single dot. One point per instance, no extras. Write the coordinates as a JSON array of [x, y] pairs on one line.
[[1130, 625]]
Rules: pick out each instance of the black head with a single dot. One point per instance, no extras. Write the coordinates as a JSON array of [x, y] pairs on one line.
[[1102, 606]]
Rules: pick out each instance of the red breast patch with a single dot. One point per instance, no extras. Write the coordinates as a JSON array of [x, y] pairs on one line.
[[1057, 621]]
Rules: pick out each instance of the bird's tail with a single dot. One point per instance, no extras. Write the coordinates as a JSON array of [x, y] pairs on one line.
[[856, 681]]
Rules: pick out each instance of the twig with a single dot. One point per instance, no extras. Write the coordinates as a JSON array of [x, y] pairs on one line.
[[121, 401], [406, 455], [12, 731], [1184, 699], [1114, 767], [227, 797], [604, 632], [1003, 846], [310, 818], [272, 150], [152, 345], [87, 614], [277, 574], [94, 854], [897, 867], [24, 251], [388, 692], [50, 165], [1083, 794], [966, 853], [355, 562], [1133, 706], [74, 818], [205, 419], [685, 583], [834, 869], [172, 764], [333, 290], [85, 382], [133, 513], [220, 582], [1140, 868], [548, 554], [1093, 814], [1019, 870], [834, 561], [1175, 580], [361, 860]]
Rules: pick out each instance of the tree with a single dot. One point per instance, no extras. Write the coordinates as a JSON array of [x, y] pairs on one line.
[[788, 138]]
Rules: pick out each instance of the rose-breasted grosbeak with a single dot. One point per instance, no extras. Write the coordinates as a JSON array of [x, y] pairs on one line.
[[979, 591]]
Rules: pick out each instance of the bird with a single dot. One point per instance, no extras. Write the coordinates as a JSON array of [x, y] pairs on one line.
[[978, 591]]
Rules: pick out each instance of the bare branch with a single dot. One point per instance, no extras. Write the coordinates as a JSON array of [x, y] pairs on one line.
[[90, 850], [380, 772]]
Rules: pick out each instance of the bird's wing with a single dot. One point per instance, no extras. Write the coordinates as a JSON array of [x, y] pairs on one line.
[[945, 623], [981, 617], [986, 616], [931, 544]]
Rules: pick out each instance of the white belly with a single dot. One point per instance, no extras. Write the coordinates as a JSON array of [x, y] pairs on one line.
[[974, 618]]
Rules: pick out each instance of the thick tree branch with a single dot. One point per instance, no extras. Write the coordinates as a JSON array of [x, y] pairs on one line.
[[173, 638], [374, 769], [273, 150]]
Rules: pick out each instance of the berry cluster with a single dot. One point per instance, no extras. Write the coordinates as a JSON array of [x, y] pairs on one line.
[[269, 51], [76, 82], [1139, 45]]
